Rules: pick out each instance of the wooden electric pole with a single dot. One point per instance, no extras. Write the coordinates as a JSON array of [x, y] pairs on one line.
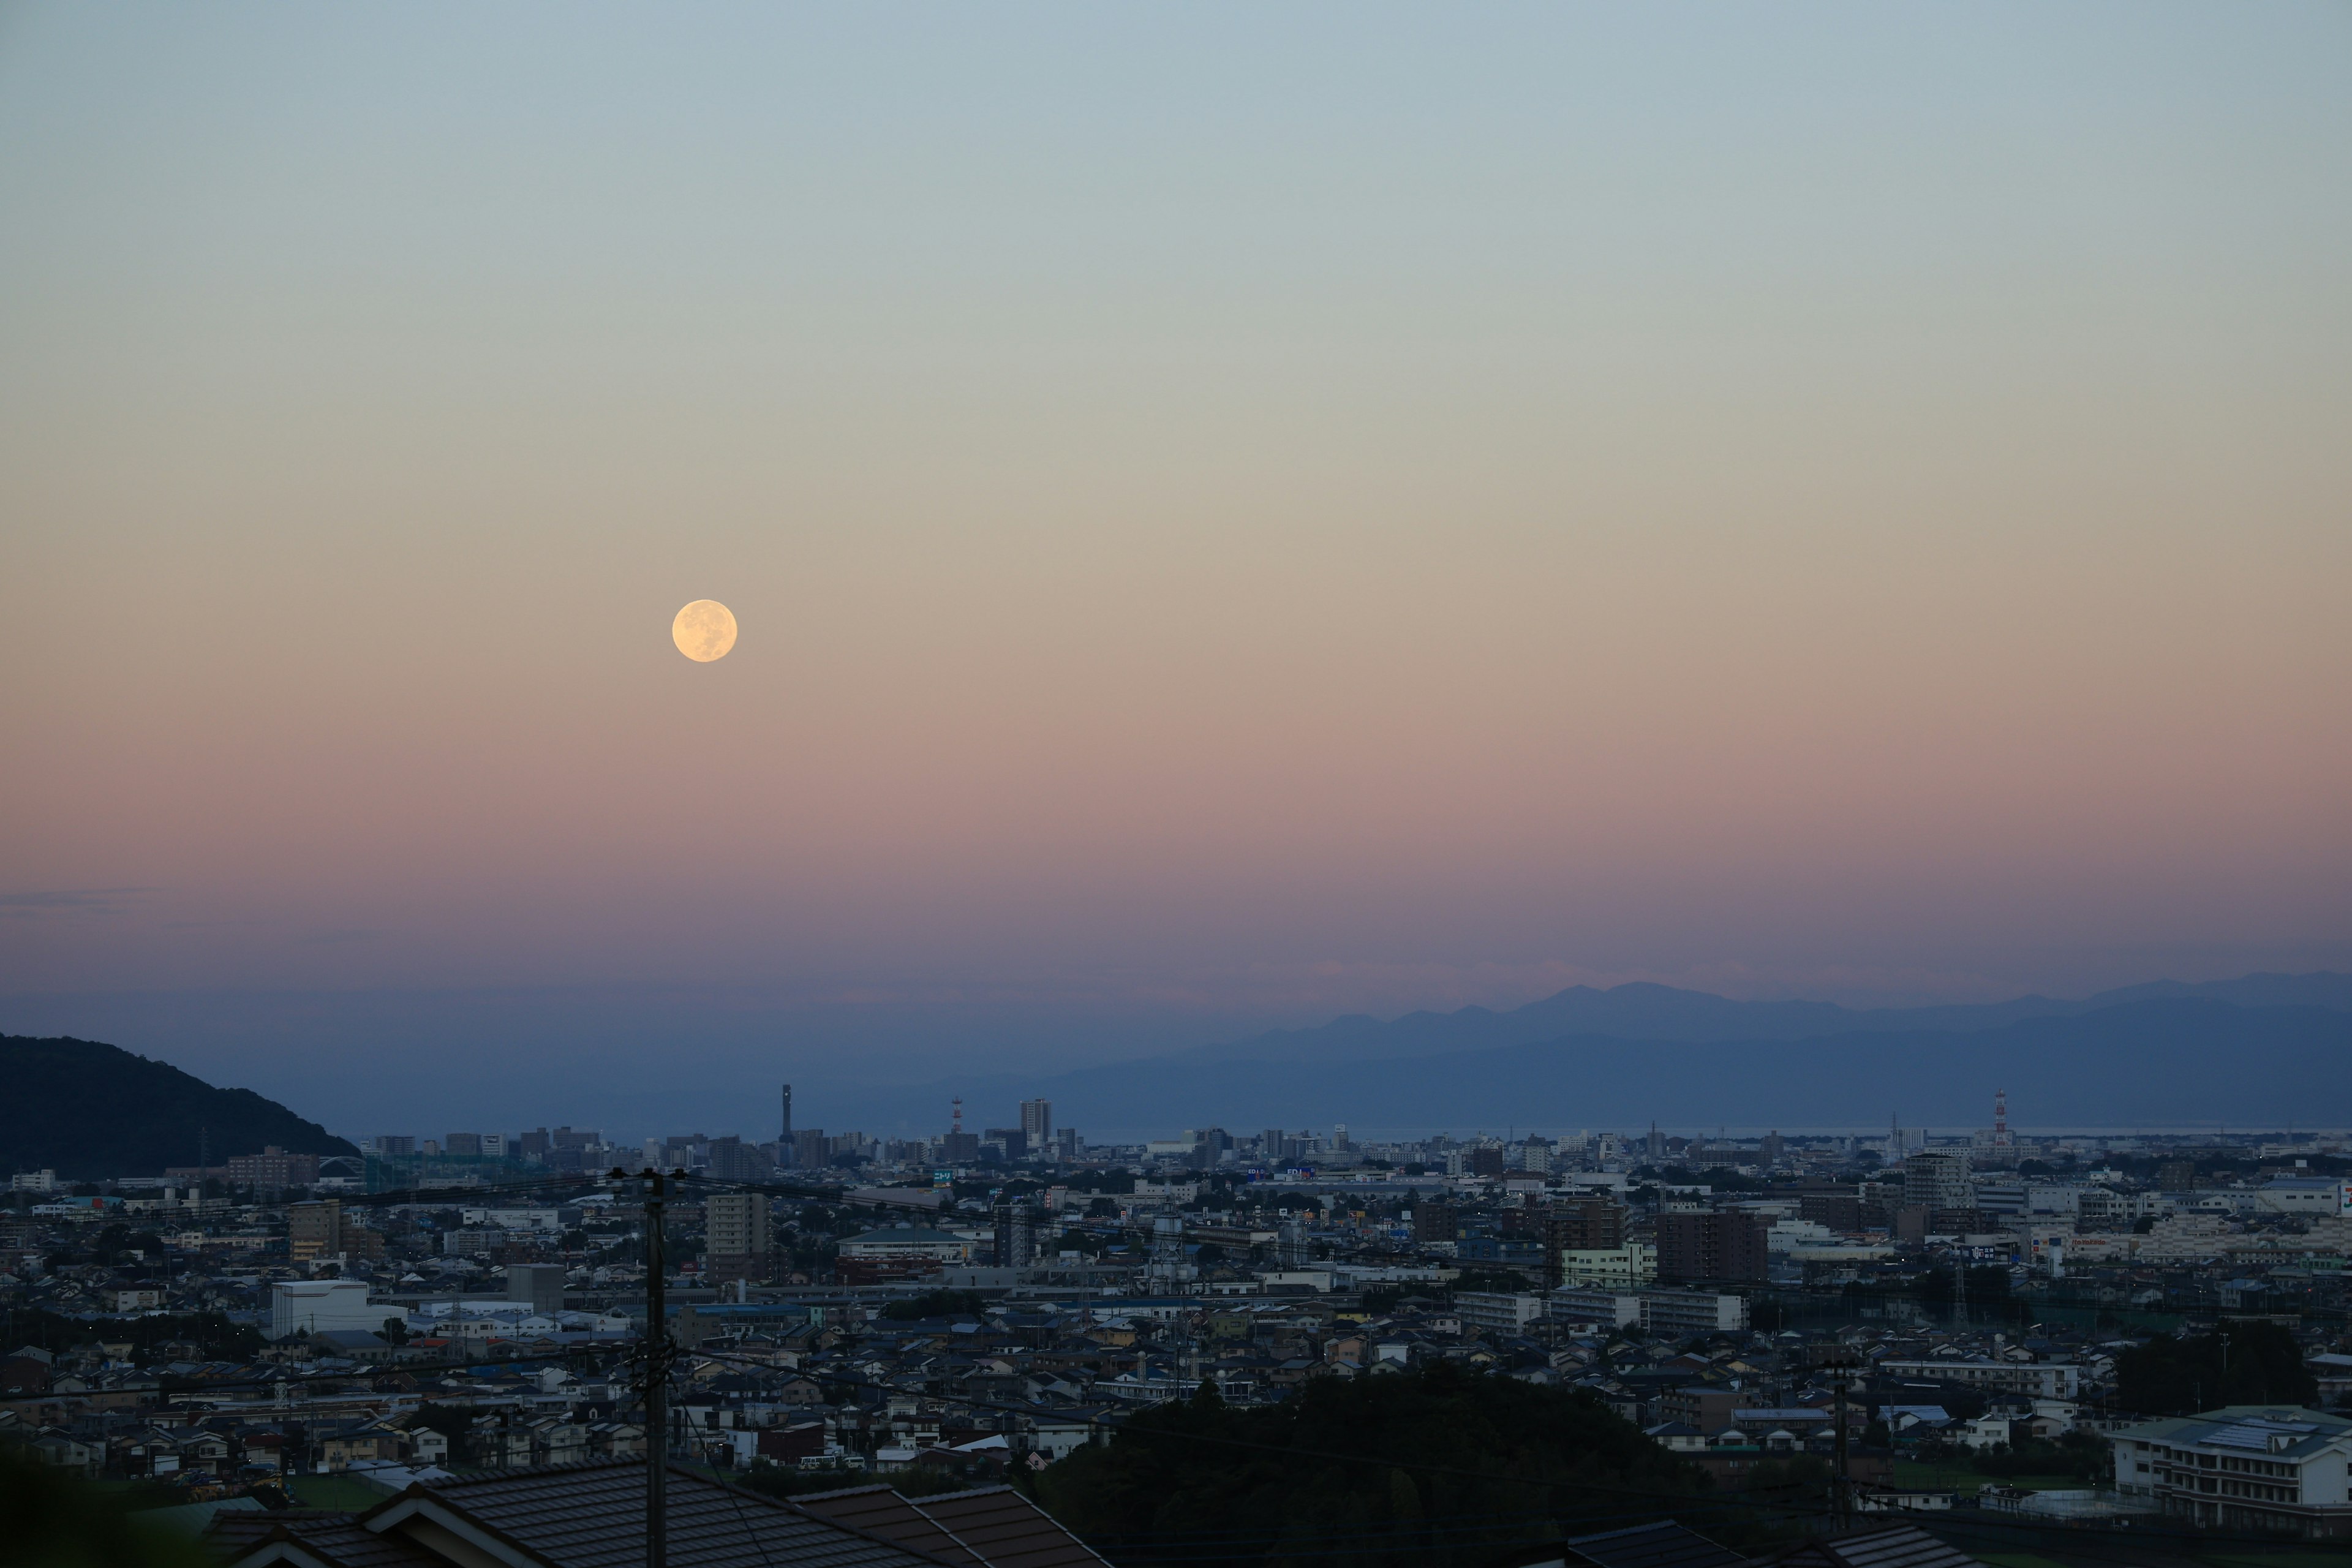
[[657, 1358]]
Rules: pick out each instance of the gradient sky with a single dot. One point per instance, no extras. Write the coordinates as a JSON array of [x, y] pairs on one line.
[[1235, 514]]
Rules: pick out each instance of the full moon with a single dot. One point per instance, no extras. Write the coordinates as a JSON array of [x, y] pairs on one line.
[[704, 630]]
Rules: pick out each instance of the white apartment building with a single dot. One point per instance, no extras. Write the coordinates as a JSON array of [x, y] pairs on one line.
[[2034, 1379], [1498, 1311], [2245, 1466], [1678, 1312], [1670, 1313], [1625, 1268]]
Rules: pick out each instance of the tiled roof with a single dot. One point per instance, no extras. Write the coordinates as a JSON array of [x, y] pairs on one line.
[[592, 1516], [338, 1540], [881, 1512], [1007, 1530], [1895, 1546], [1664, 1545]]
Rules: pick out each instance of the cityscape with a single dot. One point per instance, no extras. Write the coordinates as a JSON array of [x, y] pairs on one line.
[[1921, 1316], [1175, 787]]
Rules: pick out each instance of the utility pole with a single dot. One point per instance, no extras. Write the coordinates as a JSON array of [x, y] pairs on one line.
[[1840, 1362], [655, 1186]]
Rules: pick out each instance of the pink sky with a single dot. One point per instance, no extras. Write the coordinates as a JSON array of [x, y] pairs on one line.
[[1242, 534]]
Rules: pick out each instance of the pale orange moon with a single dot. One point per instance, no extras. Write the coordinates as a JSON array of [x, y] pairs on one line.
[[704, 630]]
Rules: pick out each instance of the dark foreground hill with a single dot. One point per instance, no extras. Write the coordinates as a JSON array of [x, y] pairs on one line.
[[86, 1109]]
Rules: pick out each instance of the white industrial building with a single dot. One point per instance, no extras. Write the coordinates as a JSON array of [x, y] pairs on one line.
[[325, 1307]]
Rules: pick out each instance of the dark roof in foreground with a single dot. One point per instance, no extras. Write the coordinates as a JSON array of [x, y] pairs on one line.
[[1664, 1545], [303, 1537], [1007, 1530], [1886, 1546], [879, 1511], [564, 1516], [994, 1526]]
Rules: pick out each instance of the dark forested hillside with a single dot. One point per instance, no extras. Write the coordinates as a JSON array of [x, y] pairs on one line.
[[86, 1109], [1428, 1468]]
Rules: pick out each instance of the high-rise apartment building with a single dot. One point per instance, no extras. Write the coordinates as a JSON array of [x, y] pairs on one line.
[[314, 1230], [1579, 1225], [1587, 1223], [1433, 1222], [732, 1160], [810, 1149], [1037, 1122], [1019, 1228], [1939, 1179], [786, 1136], [1722, 1244], [737, 1238]]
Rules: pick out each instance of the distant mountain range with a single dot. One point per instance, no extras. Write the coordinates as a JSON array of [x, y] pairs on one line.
[[2265, 1050], [86, 1109], [2268, 1049]]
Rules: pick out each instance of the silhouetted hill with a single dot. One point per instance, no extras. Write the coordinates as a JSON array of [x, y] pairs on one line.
[[86, 1109]]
